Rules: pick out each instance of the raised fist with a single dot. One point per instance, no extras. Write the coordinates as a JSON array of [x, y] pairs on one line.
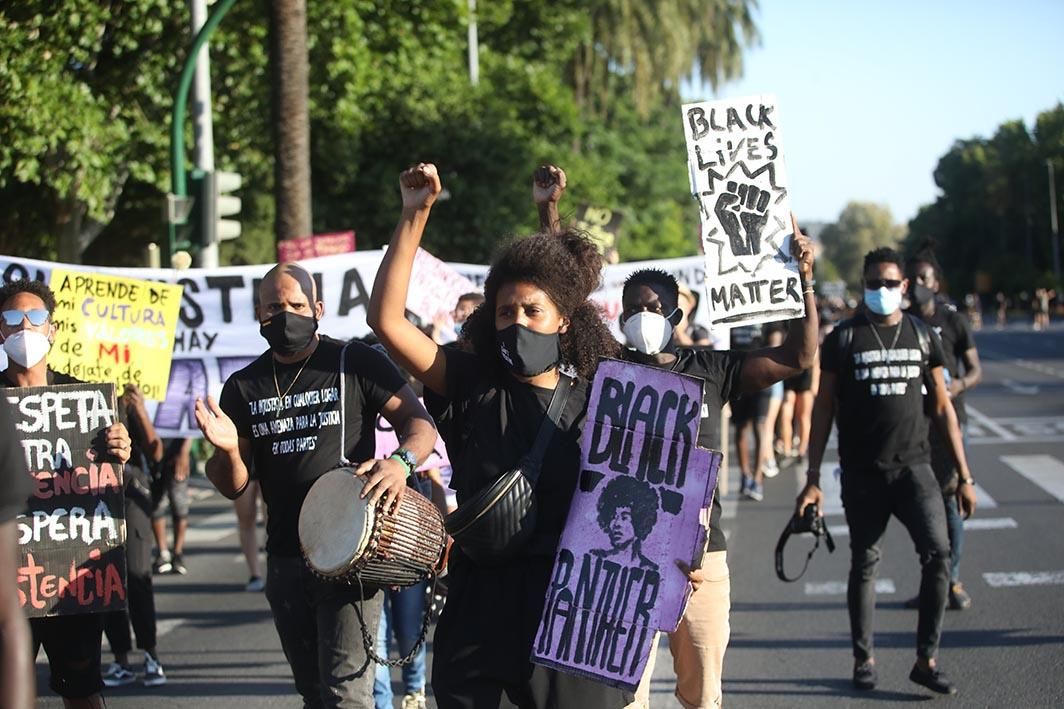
[[420, 186], [743, 212], [548, 184]]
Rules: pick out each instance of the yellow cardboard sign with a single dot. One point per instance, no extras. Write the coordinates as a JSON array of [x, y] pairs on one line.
[[114, 329]]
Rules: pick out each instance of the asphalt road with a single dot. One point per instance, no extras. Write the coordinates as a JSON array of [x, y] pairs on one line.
[[790, 642]]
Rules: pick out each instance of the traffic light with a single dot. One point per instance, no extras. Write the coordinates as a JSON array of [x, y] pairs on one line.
[[210, 203]]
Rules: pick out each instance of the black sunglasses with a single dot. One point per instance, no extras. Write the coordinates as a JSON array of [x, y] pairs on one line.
[[877, 283]]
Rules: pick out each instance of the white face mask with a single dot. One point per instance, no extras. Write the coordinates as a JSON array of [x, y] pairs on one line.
[[883, 301], [27, 347], [649, 333]]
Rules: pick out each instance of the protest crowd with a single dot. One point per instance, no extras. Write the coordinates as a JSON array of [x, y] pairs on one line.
[[501, 418]]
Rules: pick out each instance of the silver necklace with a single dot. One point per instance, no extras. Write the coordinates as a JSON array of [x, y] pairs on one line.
[[882, 347]]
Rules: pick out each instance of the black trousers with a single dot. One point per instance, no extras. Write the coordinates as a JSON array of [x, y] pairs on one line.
[[140, 594], [912, 495], [483, 641]]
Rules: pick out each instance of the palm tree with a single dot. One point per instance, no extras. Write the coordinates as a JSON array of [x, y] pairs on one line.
[[655, 44], [291, 117]]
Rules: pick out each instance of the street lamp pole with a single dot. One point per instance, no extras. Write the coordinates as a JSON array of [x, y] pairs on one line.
[[474, 49], [1053, 233]]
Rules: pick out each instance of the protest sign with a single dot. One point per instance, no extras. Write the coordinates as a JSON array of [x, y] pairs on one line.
[[739, 180], [601, 225], [218, 334], [114, 329], [72, 534], [340, 242], [434, 289], [641, 504]]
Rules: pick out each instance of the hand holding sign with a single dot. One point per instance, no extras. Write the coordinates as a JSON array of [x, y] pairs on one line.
[[802, 250], [420, 186], [118, 443], [548, 184], [743, 212]]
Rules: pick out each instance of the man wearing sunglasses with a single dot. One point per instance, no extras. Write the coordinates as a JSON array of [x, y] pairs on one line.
[[72, 642], [875, 369]]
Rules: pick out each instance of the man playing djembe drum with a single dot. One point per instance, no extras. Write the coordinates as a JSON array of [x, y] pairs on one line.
[[281, 417]]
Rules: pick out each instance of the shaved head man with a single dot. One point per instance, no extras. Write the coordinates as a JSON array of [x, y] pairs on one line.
[[281, 416]]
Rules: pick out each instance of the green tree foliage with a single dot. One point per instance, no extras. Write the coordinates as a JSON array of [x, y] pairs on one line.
[[991, 223], [861, 227], [87, 94]]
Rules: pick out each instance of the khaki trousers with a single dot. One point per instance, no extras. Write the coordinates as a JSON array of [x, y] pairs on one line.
[[699, 642]]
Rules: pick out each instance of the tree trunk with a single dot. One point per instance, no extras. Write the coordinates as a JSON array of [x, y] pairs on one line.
[[291, 117]]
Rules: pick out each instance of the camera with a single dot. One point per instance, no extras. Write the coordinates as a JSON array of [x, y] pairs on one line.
[[810, 522]]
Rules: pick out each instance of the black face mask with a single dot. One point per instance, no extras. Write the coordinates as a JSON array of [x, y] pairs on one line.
[[922, 295], [527, 352], [288, 333]]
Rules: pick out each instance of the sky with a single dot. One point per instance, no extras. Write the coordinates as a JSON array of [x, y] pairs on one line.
[[871, 94]]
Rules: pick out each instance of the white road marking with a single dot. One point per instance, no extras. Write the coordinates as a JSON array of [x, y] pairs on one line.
[[1024, 578], [1021, 389], [988, 423], [838, 588], [1045, 471], [970, 525], [978, 523], [983, 500]]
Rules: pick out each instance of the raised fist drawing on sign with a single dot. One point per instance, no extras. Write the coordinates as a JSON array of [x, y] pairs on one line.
[[743, 212]]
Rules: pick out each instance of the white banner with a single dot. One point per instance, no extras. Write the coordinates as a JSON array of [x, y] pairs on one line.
[[739, 180], [217, 332]]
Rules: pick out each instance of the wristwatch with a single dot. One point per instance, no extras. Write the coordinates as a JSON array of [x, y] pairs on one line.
[[967, 481], [406, 458]]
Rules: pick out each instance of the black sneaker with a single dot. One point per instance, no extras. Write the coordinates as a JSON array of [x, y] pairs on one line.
[[179, 565], [934, 679], [864, 676]]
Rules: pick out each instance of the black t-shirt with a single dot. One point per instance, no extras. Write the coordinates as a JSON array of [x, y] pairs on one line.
[[296, 439], [956, 340], [720, 371], [15, 485], [878, 389], [490, 422]]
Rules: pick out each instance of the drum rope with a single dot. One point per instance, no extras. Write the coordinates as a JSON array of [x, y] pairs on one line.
[[370, 644]]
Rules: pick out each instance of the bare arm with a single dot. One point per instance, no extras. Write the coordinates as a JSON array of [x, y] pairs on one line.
[[152, 445], [823, 415], [946, 420], [412, 349], [548, 184], [16, 676], [387, 477], [973, 373], [765, 367], [228, 469]]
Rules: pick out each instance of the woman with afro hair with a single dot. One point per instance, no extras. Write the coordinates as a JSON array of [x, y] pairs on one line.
[[489, 398]]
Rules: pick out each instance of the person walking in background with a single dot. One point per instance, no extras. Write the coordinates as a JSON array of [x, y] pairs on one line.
[[171, 499], [146, 454]]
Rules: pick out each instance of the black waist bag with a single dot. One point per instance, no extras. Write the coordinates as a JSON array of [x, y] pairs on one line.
[[493, 525]]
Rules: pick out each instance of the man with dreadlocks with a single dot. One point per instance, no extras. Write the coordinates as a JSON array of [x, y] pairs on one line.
[[962, 372], [489, 401]]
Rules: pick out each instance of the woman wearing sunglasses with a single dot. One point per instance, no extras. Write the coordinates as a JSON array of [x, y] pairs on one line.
[[72, 642]]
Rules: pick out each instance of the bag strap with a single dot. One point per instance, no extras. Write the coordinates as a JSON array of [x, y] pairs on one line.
[[531, 462], [343, 399]]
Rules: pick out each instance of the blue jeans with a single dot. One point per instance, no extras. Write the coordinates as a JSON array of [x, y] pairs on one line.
[[403, 614], [955, 526]]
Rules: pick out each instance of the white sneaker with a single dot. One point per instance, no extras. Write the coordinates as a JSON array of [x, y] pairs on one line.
[[414, 700], [255, 584], [115, 675], [153, 672], [770, 468]]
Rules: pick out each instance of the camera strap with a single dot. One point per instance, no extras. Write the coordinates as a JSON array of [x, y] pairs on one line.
[[828, 541]]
